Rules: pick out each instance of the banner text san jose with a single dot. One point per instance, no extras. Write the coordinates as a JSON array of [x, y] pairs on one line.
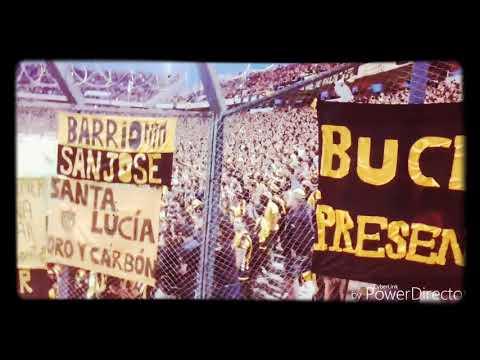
[[116, 149]]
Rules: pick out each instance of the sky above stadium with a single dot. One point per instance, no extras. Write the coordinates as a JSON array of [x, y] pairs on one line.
[[165, 68]]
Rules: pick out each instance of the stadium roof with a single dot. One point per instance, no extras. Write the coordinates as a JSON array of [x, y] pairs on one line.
[[121, 83]]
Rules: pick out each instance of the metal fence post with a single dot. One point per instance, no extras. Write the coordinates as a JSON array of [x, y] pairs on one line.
[[418, 82], [211, 214]]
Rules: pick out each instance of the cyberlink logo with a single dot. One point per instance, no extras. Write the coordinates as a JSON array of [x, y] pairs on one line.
[[392, 293]]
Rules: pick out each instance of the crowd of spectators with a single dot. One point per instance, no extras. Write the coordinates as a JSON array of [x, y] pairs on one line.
[[270, 167], [448, 90], [266, 81], [400, 96]]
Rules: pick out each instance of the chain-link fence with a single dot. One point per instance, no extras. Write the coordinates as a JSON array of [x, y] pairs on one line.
[[258, 194], [267, 157], [181, 216]]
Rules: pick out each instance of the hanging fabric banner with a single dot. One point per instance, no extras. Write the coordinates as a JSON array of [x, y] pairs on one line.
[[116, 149], [392, 183], [106, 228], [31, 222]]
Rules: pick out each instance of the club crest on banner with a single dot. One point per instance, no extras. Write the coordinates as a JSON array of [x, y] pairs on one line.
[[68, 220]]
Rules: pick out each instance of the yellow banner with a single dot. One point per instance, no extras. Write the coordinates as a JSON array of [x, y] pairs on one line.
[[117, 133], [31, 222], [106, 228]]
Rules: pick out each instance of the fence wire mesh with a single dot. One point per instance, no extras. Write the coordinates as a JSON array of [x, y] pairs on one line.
[[268, 162], [181, 218], [264, 190]]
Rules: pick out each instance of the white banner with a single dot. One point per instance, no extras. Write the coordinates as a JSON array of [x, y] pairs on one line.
[[106, 228]]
